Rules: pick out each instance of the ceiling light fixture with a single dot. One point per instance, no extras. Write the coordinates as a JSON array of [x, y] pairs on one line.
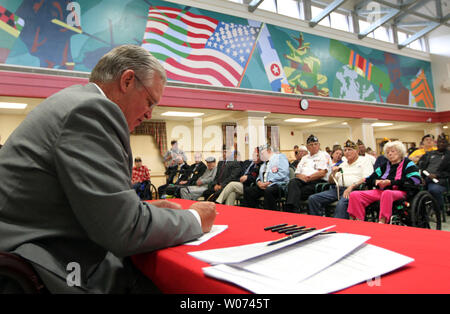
[[12, 105], [300, 120], [182, 114], [381, 124]]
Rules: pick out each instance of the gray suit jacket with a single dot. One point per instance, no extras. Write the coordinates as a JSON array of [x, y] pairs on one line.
[[66, 195]]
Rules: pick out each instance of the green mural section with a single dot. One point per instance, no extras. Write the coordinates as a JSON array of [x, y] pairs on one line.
[[205, 47]]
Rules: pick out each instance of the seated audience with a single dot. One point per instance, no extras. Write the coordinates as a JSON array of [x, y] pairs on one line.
[[390, 181], [178, 174], [363, 153], [193, 192], [272, 174], [234, 189], [140, 178], [302, 151], [428, 146], [343, 177], [435, 165], [227, 171], [190, 176], [312, 169], [170, 160]]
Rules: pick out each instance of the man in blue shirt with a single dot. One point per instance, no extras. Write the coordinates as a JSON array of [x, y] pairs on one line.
[[272, 174]]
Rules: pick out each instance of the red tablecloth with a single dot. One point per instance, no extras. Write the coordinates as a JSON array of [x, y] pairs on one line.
[[174, 271]]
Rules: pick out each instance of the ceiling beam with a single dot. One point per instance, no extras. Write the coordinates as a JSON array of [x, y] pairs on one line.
[[325, 12], [254, 4], [419, 34], [378, 23]]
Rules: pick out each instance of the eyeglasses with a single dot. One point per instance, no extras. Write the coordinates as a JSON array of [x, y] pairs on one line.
[[137, 160], [150, 105]]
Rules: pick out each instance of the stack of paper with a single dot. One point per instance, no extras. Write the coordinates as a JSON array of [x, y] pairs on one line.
[[309, 264]]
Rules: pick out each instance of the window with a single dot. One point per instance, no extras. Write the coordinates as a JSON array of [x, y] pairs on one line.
[[268, 5], [381, 33], [363, 25], [339, 21], [316, 11], [289, 8]]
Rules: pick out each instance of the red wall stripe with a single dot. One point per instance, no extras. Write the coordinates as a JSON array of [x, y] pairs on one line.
[[19, 84]]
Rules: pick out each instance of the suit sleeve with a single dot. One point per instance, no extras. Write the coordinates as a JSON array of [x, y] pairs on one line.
[[92, 163]]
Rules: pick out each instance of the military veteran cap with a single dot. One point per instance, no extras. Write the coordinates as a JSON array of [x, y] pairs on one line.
[[359, 142], [210, 159], [312, 139], [350, 144]]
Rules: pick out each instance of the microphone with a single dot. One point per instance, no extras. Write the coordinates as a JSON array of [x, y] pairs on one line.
[[428, 175]]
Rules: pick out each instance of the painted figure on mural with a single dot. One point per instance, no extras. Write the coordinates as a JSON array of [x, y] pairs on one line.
[[46, 33], [303, 73]]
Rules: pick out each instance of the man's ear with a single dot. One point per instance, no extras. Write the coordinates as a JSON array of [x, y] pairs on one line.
[[127, 79]]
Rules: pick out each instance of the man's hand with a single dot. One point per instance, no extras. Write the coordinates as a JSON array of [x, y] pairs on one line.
[[182, 182], [217, 187], [243, 179], [166, 204], [207, 212], [199, 182]]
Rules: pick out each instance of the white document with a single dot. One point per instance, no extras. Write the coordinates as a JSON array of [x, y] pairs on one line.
[[237, 254], [215, 230], [298, 262], [363, 264]]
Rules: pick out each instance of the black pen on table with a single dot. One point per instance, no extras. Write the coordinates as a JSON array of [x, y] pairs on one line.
[[297, 234], [276, 226]]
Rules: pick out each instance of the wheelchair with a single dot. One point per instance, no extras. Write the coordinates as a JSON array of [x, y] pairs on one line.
[[17, 276], [147, 191], [419, 209]]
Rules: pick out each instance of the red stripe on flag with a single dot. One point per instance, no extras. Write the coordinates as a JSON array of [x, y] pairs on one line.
[[222, 63], [202, 71]]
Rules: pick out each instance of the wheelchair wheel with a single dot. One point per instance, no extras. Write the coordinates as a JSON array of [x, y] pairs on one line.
[[425, 211], [153, 192]]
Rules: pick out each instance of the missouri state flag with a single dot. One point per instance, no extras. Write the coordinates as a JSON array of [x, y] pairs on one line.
[[271, 61], [198, 49]]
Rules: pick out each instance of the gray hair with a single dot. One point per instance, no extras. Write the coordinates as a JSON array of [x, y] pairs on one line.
[[399, 146], [127, 57]]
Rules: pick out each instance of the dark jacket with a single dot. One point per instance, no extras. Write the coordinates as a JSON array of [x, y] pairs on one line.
[[195, 172], [443, 172], [251, 170], [230, 172], [409, 175]]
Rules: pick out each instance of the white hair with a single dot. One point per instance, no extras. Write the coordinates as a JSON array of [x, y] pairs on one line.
[[399, 146], [127, 57]]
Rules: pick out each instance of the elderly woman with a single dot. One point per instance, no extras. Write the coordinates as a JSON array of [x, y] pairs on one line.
[[389, 182]]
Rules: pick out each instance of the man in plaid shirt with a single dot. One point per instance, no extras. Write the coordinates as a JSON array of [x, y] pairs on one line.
[[140, 174]]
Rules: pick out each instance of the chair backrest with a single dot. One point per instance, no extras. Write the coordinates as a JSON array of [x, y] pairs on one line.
[[17, 276]]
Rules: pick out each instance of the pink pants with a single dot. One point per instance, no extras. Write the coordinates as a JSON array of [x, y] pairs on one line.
[[359, 200]]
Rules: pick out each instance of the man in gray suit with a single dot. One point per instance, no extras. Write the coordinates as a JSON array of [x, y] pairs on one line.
[[66, 200]]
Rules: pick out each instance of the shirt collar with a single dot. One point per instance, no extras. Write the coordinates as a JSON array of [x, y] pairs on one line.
[[101, 91]]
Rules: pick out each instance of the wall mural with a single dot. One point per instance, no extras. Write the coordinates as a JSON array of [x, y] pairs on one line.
[[204, 47]]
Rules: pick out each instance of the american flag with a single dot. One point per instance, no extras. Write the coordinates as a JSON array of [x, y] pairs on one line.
[[198, 49]]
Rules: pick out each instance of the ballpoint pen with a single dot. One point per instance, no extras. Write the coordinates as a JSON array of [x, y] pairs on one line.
[[276, 226], [286, 238]]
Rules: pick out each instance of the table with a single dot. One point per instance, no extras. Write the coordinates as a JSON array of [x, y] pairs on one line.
[[174, 271]]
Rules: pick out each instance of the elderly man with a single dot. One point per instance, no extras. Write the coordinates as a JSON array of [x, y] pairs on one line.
[[272, 174], [140, 177], [312, 169], [172, 160], [299, 154], [195, 191], [344, 177], [78, 206], [228, 170], [435, 166], [363, 152], [234, 189]]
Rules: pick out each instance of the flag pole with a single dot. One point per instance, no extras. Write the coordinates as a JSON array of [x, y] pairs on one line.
[[251, 53]]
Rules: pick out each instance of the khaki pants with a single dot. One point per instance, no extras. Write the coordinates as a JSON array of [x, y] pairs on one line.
[[230, 193]]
